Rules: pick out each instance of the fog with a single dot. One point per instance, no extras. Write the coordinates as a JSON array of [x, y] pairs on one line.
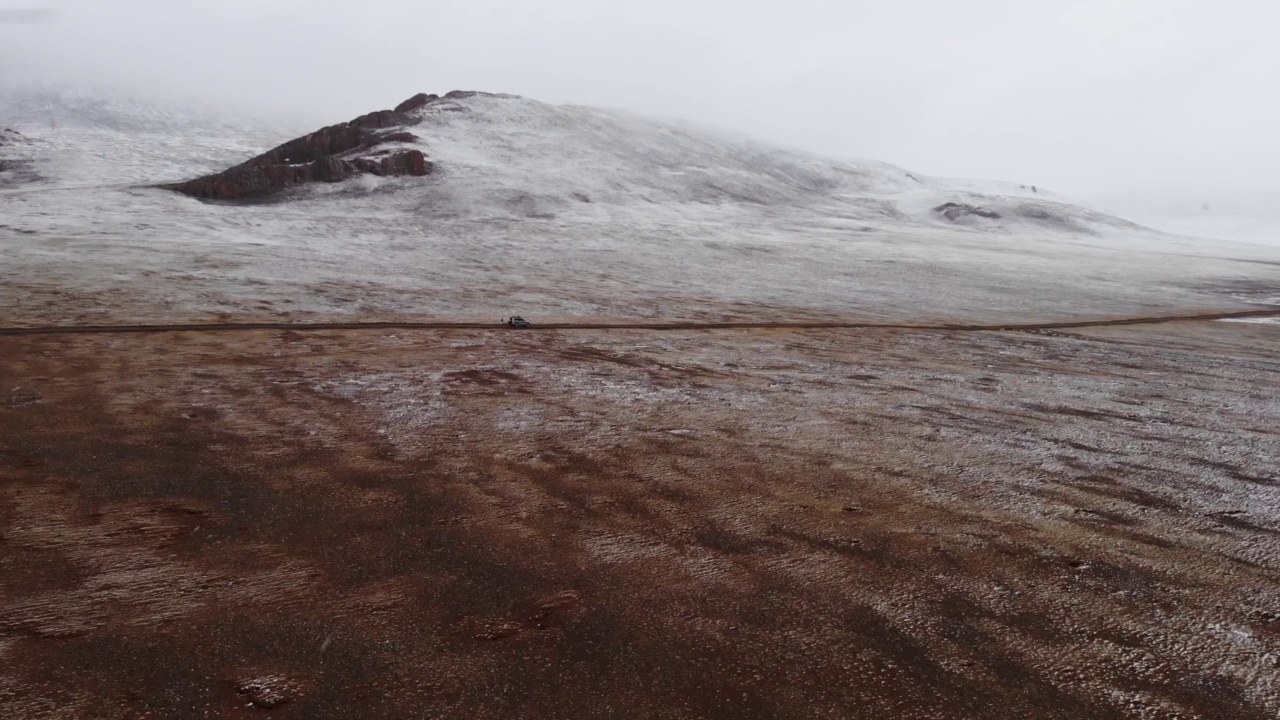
[[1090, 98]]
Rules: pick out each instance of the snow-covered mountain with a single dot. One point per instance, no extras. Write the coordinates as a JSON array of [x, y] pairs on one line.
[[559, 153], [505, 154], [564, 211]]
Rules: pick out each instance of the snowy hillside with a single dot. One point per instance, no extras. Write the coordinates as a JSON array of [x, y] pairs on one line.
[[511, 155], [96, 136], [569, 212]]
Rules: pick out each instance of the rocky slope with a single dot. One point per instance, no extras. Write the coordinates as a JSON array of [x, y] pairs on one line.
[[15, 158], [370, 144]]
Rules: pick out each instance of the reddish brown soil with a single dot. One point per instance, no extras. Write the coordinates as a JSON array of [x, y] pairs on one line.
[[771, 523]]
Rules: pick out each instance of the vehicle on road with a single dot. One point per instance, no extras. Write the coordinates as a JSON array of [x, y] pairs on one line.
[[518, 322]]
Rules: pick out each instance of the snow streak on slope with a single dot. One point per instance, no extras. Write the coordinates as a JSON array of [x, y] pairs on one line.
[[571, 212]]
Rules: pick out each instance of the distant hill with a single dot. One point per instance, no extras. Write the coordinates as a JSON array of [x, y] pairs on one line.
[[512, 154]]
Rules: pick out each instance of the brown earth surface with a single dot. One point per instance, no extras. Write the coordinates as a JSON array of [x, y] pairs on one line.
[[764, 523]]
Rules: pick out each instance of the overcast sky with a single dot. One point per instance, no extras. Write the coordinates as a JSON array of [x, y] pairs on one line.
[[1088, 97]]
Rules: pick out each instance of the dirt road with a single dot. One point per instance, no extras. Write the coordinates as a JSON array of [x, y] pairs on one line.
[[669, 326]]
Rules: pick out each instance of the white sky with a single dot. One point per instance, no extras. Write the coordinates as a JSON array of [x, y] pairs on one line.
[[1087, 97]]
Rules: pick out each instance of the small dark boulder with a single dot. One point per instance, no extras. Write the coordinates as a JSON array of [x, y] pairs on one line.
[[408, 162], [329, 170]]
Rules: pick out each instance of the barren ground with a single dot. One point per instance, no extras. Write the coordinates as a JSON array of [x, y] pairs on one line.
[[764, 523]]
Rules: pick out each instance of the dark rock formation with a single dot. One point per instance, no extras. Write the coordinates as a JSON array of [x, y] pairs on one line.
[[417, 101], [255, 181], [365, 145], [15, 158], [10, 137], [329, 155], [954, 211]]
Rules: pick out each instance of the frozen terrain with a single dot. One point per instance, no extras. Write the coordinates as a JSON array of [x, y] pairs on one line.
[[757, 522], [566, 212], [487, 524]]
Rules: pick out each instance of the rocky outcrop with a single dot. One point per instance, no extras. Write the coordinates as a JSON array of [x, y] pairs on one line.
[[954, 211], [15, 158], [370, 144], [256, 181], [420, 100], [9, 138]]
